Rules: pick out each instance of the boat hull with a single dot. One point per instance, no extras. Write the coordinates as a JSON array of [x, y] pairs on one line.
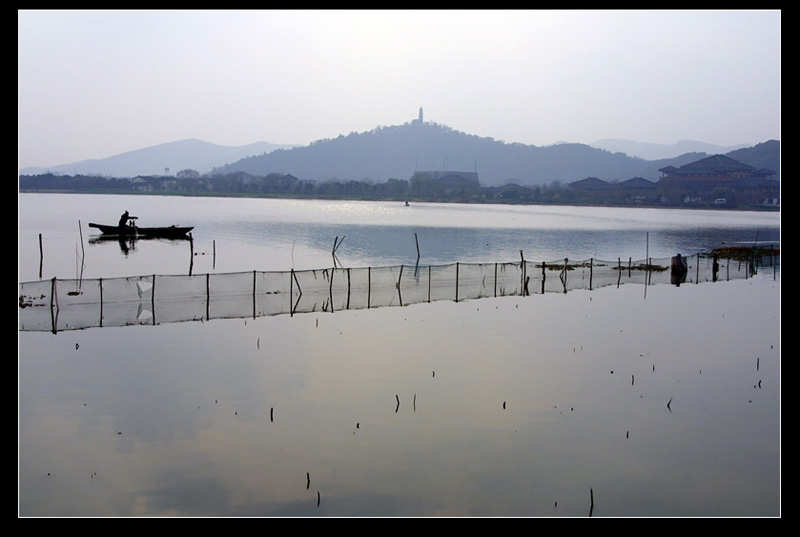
[[170, 232]]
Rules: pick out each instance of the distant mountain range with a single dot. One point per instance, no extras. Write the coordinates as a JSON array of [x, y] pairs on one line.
[[650, 151], [173, 156], [399, 151]]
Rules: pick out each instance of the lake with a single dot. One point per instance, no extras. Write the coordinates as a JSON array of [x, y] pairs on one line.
[[626, 400]]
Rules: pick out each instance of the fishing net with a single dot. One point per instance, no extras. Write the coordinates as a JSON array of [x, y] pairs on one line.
[[57, 305]]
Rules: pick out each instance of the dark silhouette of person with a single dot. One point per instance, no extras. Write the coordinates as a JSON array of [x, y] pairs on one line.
[[679, 270], [123, 220], [715, 268]]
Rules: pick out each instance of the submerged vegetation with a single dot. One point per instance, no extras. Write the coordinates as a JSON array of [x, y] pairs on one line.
[[745, 253]]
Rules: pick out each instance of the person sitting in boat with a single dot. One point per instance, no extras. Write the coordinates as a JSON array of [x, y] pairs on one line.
[[123, 220]]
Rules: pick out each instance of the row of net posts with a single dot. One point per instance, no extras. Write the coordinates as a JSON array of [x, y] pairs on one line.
[[68, 304]]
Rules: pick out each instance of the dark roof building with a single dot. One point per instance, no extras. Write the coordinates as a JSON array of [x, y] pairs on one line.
[[636, 189], [591, 183], [714, 168], [638, 183], [698, 179]]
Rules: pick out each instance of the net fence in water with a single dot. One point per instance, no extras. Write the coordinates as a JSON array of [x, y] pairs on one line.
[[70, 304]]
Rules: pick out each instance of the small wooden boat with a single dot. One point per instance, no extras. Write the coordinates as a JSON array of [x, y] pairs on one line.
[[170, 232]]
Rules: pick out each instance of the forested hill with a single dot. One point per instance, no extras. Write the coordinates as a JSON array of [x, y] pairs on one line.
[[398, 151]]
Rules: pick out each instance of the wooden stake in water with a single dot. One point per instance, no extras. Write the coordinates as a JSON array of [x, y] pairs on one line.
[[647, 262], [416, 267], [83, 252], [41, 256]]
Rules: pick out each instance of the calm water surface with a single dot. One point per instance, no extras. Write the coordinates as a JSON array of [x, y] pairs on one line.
[[662, 401], [234, 235]]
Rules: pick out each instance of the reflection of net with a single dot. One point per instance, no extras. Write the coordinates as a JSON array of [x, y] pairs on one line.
[[56, 305]]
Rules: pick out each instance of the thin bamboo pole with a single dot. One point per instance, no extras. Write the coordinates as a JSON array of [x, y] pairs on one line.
[[100, 283], [348, 288], [429, 283], [53, 305], [495, 280], [399, 293], [456, 281], [330, 288]]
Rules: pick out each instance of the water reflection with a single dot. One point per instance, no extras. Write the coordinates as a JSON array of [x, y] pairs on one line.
[[128, 244], [508, 406]]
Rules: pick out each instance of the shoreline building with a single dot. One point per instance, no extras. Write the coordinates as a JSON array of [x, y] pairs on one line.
[[701, 180]]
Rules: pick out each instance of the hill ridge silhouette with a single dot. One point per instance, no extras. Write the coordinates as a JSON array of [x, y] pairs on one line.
[[397, 152]]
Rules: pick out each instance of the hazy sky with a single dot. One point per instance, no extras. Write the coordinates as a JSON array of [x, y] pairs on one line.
[[93, 84]]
